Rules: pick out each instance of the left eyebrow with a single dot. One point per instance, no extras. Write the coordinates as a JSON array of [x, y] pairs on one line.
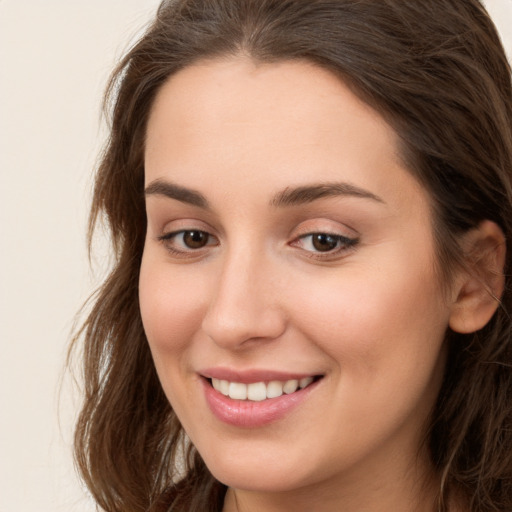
[[309, 193]]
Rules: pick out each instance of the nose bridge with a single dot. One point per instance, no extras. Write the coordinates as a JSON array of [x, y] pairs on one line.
[[244, 305]]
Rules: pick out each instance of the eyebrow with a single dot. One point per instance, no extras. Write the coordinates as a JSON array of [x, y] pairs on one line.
[[309, 193], [173, 191], [291, 196]]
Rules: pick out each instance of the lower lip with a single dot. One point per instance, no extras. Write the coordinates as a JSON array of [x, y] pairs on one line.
[[250, 414]]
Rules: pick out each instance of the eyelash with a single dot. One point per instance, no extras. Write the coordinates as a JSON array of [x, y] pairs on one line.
[[343, 244]]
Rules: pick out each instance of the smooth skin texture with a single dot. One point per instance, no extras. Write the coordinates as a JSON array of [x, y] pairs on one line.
[[252, 288]]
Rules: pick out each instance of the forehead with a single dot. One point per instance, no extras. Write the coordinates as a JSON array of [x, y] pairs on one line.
[[284, 123]]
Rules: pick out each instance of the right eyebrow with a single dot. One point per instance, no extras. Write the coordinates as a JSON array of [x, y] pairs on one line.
[[172, 191]]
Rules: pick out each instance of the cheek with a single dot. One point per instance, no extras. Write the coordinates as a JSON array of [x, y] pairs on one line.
[[378, 322], [171, 307], [385, 342], [171, 310]]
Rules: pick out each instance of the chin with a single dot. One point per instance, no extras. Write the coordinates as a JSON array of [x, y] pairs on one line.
[[258, 478], [261, 472]]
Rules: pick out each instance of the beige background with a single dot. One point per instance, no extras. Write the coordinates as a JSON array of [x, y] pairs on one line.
[[55, 56]]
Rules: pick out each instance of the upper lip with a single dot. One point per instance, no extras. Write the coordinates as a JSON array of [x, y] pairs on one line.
[[252, 375]]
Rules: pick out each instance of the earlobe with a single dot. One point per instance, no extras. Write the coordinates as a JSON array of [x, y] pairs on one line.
[[481, 283]]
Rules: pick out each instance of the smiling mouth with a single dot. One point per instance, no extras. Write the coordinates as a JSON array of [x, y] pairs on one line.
[[259, 391]]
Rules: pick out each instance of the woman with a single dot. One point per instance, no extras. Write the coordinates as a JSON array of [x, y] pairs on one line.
[[310, 204]]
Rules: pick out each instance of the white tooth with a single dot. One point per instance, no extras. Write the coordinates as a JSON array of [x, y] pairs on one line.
[[257, 391], [237, 391], [216, 384], [290, 386], [274, 389], [224, 387], [306, 381]]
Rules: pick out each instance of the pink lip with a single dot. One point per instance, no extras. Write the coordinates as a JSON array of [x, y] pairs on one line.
[[250, 376], [250, 414]]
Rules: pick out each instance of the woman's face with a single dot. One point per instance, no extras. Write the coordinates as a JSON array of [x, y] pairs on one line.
[[287, 245]]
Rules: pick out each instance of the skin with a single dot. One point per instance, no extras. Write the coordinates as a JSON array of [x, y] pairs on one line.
[[370, 318]]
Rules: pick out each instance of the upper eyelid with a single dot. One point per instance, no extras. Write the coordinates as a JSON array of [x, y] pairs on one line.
[[175, 232], [332, 232], [338, 229], [328, 233], [185, 224]]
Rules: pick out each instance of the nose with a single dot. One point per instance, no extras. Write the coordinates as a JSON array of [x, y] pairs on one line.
[[245, 306]]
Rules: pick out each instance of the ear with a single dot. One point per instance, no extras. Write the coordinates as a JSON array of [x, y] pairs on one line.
[[479, 286]]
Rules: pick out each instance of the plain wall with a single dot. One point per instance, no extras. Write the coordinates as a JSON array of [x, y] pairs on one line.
[[55, 57]]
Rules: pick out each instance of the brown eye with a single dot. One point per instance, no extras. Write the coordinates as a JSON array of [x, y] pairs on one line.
[[325, 245], [324, 242], [188, 242], [195, 239]]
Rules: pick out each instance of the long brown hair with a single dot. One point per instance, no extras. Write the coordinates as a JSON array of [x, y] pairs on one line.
[[436, 70]]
